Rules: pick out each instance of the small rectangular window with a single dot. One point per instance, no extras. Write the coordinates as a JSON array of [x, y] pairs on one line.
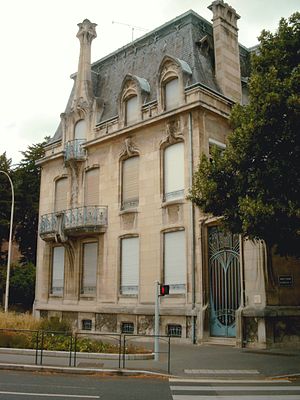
[[131, 110], [130, 183], [127, 327], [129, 266], [58, 260], [174, 172], [175, 261], [61, 191], [89, 268], [87, 324], [174, 330]]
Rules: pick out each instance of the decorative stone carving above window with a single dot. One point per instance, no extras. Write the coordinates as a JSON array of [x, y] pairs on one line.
[[129, 149], [173, 133], [172, 68], [132, 86]]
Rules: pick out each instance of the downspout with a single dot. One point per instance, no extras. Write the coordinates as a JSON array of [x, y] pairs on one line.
[[192, 230]]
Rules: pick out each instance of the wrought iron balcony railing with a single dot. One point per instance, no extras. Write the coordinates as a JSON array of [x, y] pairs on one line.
[[74, 150], [85, 217], [73, 221]]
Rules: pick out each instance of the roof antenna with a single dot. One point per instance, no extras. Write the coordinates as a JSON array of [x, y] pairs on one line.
[[132, 28]]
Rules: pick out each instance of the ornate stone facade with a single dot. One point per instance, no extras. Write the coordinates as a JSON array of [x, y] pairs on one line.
[[98, 260]]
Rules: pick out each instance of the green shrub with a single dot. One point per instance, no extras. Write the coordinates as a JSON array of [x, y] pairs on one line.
[[54, 324]]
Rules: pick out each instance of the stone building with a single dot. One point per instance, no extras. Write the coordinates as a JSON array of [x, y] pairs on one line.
[[114, 217]]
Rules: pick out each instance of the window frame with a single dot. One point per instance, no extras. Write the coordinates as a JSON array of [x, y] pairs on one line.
[[134, 202], [82, 292], [53, 293], [134, 293], [167, 196]]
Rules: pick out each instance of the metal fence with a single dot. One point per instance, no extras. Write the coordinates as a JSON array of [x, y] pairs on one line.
[[39, 347]]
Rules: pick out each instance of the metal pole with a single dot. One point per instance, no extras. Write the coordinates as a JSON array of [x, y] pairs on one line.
[[156, 323], [9, 241]]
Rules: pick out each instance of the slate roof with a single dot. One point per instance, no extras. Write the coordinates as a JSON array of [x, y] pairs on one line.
[[179, 38]]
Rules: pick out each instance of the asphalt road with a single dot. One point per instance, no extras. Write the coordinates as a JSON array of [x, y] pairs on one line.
[[31, 386]]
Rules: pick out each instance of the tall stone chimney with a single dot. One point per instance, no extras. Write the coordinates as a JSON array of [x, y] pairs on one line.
[[226, 47], [83, 95]]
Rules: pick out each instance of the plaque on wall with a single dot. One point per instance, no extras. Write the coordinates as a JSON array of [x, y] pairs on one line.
[[285, 280]]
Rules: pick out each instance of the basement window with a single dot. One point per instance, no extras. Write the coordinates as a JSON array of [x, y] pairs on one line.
[[127, 327], [87, 324], [174, 330]]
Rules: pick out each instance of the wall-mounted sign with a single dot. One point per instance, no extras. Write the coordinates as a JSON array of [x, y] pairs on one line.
[[285, 280]]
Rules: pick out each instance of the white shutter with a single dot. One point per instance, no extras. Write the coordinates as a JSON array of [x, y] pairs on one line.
[[171, 94], [58, 261], [61, 194], [129, 266], [131, 110], [92, 187], [175, 261], [130, 184], [90, 262], [174, 171], [80, 130]]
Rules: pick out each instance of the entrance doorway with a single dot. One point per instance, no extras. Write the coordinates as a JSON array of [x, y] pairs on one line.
[[224, 281]]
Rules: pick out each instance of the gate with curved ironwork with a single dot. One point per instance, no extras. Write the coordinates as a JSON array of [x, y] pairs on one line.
[[224, 281]]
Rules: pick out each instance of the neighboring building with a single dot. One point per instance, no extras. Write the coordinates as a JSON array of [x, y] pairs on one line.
[[115, 176]]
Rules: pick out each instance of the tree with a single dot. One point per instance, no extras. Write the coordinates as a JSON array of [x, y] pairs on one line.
[[5, 203], [254, 184], [28, 178]]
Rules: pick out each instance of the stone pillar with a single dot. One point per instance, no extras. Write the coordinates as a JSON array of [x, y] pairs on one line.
[[83, 95], [226, 49]]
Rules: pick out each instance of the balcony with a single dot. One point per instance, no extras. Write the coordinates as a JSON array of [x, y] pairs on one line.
[[74, 150], [73, 222]]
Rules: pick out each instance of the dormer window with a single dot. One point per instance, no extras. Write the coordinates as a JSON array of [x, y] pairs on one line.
[[171, 94], [131, 110], [80, 130]]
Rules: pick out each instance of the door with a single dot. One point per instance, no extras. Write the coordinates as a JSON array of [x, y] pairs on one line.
[[224, 281]]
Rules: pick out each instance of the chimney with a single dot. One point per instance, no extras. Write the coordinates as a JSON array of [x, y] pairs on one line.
[[226, 47], [83, 95]]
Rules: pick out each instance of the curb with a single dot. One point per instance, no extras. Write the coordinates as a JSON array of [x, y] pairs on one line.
[[52, 353], [80, 371]]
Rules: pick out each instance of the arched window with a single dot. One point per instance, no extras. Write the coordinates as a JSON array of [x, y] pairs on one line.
[[129, 266], [80, 130], [130, 183], [174, 172], [61, 190], [175, 261], [91, 187], [171, 94], [131, 110]]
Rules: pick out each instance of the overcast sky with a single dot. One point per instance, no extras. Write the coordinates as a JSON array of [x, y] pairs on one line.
[[39, 51]]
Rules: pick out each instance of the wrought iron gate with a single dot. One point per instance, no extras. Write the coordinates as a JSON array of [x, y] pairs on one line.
[[224, 276]]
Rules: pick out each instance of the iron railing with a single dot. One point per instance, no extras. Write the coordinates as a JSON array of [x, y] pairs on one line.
[[74, 150], [87, 217], [91, 216]]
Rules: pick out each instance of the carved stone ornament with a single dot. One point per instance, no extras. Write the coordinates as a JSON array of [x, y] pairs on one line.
[[173, 131], [129, 149]]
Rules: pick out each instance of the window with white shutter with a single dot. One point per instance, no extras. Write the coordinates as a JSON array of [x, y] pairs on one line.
[[58, 263], [89, 268], [175, 261], [129, 266], [61, 189], [131, 110], [80, 130], [91, 190], [174, 172], [130, 183], [172, 94]]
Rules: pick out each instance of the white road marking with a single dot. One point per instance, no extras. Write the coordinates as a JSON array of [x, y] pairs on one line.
[[237, 388], [222, 371], [240, 396], [82, 396], [202, 380]]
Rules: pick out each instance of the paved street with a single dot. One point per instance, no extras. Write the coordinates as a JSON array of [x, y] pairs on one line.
[[28, 386], [233, 389]]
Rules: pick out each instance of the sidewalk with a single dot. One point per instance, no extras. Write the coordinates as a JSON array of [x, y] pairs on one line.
[[189, 361]]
